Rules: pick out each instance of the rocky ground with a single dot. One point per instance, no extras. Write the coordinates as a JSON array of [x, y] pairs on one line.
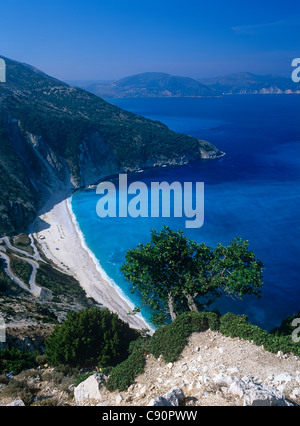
[[213, 371]]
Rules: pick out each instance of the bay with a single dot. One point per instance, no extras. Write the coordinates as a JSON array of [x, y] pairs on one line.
[[252, 192]]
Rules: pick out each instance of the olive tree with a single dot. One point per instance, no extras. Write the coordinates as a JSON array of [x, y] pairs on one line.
[[174, 274]]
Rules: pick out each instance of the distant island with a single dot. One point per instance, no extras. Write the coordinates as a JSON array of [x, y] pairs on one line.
[[161, 85], [151, 85], [247, 83]]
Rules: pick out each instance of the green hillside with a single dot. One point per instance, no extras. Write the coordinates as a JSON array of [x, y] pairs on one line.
[[53, 137]]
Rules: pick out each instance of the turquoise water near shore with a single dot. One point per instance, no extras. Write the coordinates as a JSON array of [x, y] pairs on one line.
[[252, 192]]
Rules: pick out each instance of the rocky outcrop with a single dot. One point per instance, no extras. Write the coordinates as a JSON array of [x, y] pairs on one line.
[[16, 403], [27, 339], [174, 398], [253, 394], [96, 159], [213, 370], [90, 389]]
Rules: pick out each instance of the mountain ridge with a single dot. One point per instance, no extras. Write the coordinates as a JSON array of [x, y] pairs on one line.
[[157, 84], [55, 137], [152, 84]]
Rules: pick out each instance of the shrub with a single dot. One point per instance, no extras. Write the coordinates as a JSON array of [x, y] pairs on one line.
[[19, 390], [14, 360], [124, 374], [286, 328], [238, 326], [48, 402], [21, 268], [89, 338], [169, 341]]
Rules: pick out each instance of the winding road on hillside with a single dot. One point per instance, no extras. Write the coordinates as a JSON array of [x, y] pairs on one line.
[[32, 260]]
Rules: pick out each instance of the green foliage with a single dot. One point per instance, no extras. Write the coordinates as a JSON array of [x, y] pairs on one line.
[[19, 389], [23, 242], [59, 283], [174, 274], [5, 281], [170, 340], [21, 268], [238, 326], [14, 360], [124, 374], [64, 117], [89, 338], [286, 328]]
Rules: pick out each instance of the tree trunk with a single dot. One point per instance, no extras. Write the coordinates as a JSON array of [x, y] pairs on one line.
[[171, 307], [191, 302]]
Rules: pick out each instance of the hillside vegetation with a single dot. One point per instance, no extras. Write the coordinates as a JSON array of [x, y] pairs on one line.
[[54, 137]]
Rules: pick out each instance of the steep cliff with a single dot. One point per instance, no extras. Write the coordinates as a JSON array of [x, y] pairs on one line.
[[55, 137]]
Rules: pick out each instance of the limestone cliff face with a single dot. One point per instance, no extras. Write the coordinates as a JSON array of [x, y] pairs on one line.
[[46, 172], [45, 169], [96, 159]]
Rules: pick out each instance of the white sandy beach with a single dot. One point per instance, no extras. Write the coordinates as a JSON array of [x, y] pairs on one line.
[[62, 242]]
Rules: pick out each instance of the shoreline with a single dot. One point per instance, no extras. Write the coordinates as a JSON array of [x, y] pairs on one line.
[[60, 238]]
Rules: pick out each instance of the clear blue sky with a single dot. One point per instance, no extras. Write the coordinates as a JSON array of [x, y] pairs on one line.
[[96, 39]]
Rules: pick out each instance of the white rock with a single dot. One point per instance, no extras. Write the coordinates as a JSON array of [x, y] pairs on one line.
[[238, 387], [193, 369], [260, 395], [16, 403], [282, 378], [143, 390], [232, 370], [270, 378], [173, 398], [119, 399], [223, 380], [204, 379], [296, 393], [90, 388], [256, 394]]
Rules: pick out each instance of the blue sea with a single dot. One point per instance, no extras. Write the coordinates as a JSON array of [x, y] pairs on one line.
[[252, 192]]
